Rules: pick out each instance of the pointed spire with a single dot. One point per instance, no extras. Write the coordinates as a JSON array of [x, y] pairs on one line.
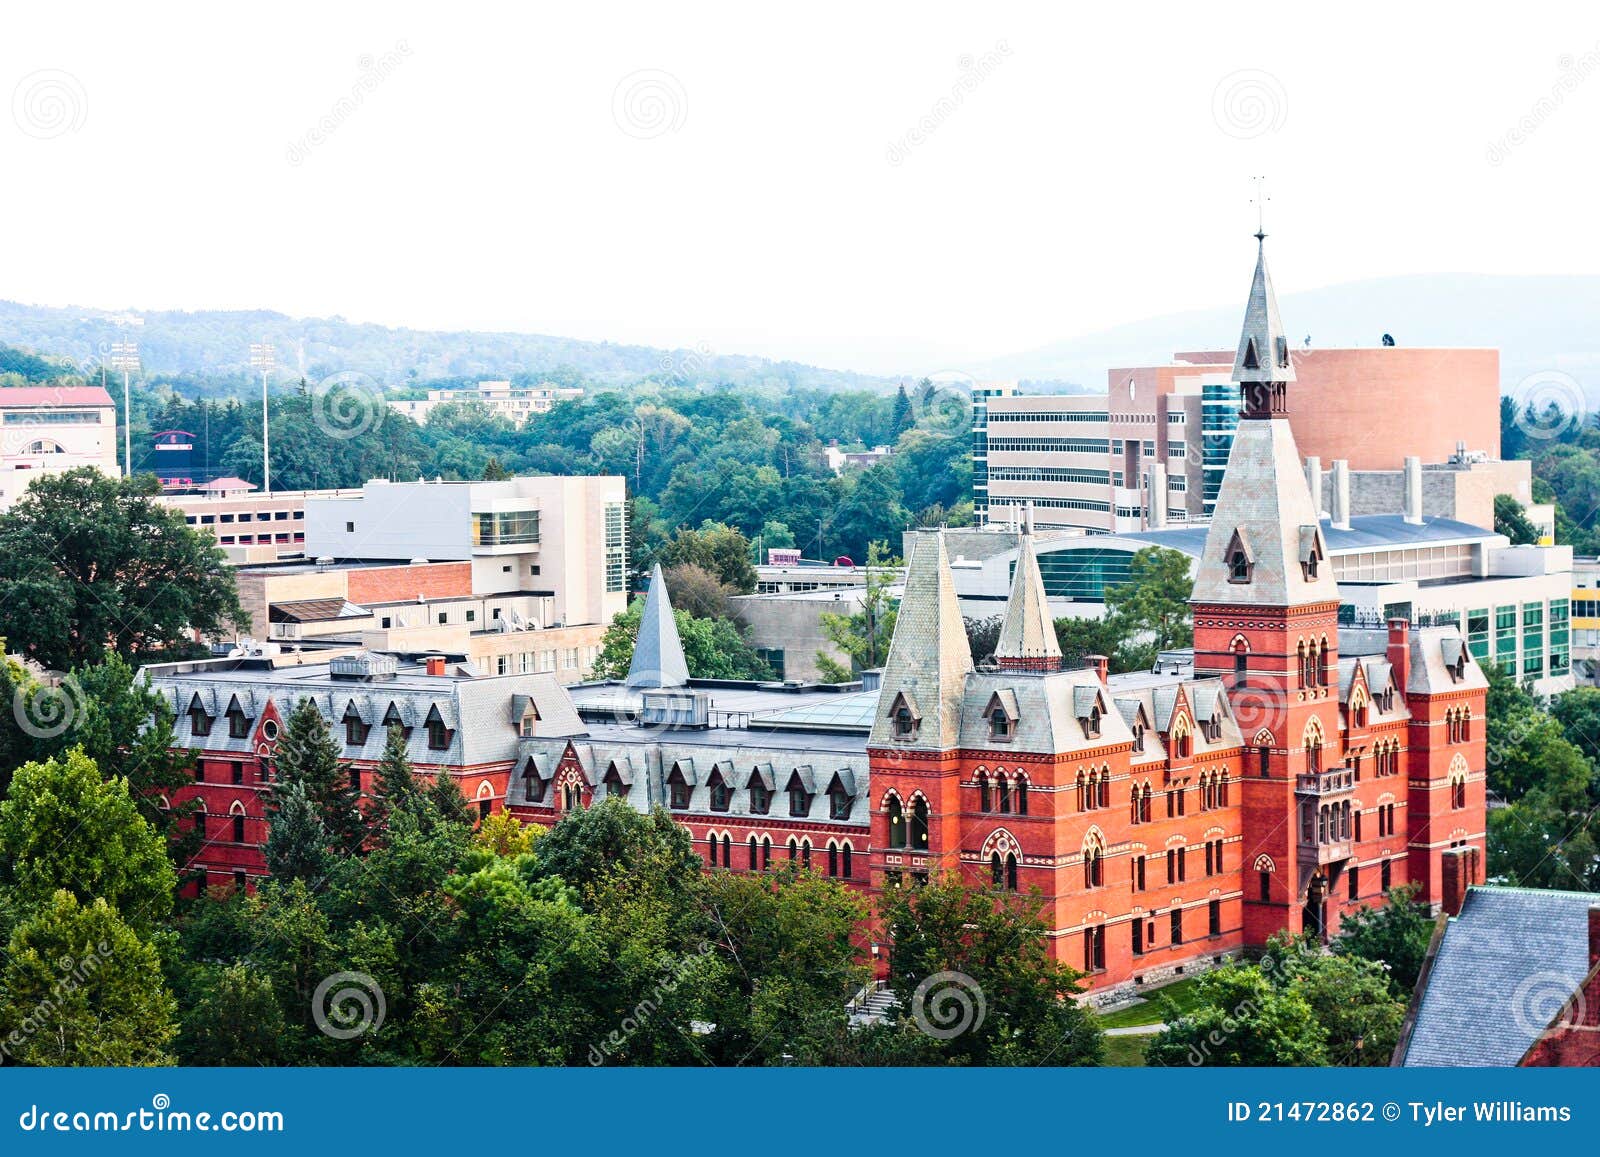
[[1263, 345], [925, 677], [1028, 633], [657, 651]]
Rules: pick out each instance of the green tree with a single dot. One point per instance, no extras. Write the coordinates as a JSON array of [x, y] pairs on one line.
[[395, 785], [1394, 935], [712, 648], [90, 563], [297, 839], [901, 418], [63, 827], [865, 634], [981, 951], [447, 802], [1241, 1018], [493, 471], [308, 755], [1153, 605], [1359, 1010], [1511, 520], [717, 548], [233, 1018], [591, 842], [80, 988]]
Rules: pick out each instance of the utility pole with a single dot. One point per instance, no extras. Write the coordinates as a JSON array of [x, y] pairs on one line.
[[263, 358], [125, 357]]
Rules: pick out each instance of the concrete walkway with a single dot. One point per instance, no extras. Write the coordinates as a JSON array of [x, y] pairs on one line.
[[1136, 1030]]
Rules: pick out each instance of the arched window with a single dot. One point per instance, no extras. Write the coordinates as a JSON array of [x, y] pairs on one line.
[[1305, 667], [919, 824], [897, 822], [1011, 873], [755, 857], [766, 851], [1105, 786], [1313, 745], [997, 871], [1022, 794], [1005, 794], [983, 791], [794, 847], [805, 853], [727, 850], [1093, 870], [1083, 792], [848, 870], [833, 858], [237, 811]]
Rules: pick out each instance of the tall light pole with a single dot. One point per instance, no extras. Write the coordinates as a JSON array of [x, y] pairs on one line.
[[263, 357], [125, 357]]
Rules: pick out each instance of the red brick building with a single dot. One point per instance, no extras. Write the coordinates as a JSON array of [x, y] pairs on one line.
[[1276, 779]]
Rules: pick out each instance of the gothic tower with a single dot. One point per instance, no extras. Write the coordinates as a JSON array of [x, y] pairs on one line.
[[1266, 621]]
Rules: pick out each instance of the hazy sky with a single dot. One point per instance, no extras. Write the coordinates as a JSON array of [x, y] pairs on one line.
[[851, 184]]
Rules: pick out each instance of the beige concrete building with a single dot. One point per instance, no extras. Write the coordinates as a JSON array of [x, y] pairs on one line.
[[48, 429]]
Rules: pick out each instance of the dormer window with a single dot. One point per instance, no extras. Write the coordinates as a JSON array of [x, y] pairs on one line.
[[238, 723], [799, 801], [199, 721], [760, 799], [904, 717], [1091, 723], [1002, 715], [1138, 736], [999, 725], [1239, 559], [839, 803], [720, 795], [392, 718], [355, 731], [1252, 360], [529, 724]]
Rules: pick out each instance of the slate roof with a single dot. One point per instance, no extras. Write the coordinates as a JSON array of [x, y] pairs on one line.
[[1432, 648], [657, 651], [929, 658], [1264, 496], [1028, 630], [1263, 327], [1501, 973]]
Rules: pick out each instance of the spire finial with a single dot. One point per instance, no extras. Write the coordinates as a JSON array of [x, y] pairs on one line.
[[1261, 200]]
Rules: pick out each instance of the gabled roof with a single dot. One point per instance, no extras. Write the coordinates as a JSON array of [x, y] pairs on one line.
[[762, 773], [1028, 631], [683, 769], [1433, 651], [1007, 699], [1501, 973], [1263, 345], [845, 779], [657, 651], [929, 659], [1265, 501], [806, 778]]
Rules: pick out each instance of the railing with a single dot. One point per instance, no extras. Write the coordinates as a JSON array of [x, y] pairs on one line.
[[1326, 782]]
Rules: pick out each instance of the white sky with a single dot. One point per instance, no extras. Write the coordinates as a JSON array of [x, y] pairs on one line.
[[486, 183]]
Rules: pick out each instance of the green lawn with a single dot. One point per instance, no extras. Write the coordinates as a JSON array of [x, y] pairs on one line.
[[1126, 1052], [1183, 993]]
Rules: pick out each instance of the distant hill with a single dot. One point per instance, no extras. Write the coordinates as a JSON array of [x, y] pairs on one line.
[[218, 342], [1538, 323]]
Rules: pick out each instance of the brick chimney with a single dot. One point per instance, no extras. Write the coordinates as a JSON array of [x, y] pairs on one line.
[[434, 664], [1399, 653], [1101, 665], [1456, 870]]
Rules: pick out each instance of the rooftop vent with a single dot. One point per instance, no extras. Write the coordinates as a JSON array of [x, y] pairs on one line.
[[367, 667]]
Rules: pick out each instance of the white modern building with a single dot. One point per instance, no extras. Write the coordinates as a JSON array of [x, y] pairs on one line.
[[563, 539], [516, 404], [47, 429]]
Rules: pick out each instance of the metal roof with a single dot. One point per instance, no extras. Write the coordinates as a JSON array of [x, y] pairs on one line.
[[1366, 532]]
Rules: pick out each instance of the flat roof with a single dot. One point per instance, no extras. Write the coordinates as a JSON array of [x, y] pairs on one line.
[[1366, 532], [46, 397]]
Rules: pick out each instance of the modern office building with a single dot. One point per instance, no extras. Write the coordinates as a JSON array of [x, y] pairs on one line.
[[48, 429], [516, 404], [1157, 441]]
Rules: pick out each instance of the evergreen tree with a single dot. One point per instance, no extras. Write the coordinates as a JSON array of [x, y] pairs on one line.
[[308, 756], [395, 785], [493, 471], [901, 418], [235, 1019], [447, 801], [297, 840]]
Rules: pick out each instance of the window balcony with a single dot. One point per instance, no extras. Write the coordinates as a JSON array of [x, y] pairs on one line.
[[1325, 783]]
